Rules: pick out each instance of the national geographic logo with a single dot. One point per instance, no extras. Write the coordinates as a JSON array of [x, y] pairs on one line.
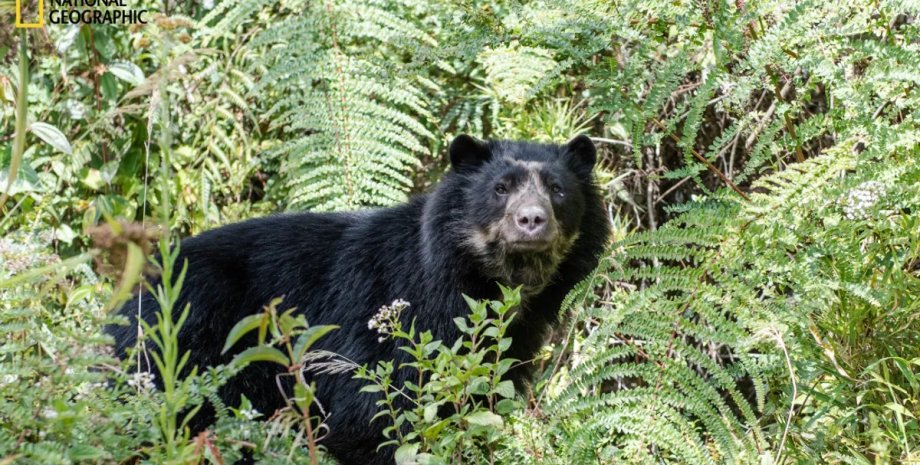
[[31, 13], [23, 10]]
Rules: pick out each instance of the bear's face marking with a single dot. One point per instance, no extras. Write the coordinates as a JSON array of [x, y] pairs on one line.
[[522, 206]]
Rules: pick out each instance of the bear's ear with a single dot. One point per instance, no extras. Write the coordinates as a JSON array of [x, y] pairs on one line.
[[581, 155], [468, 152]]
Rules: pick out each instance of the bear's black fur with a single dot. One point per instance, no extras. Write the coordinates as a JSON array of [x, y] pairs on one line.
[[518, 213]]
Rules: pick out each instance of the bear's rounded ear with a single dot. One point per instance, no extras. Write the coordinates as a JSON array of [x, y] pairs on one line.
[[581, 155], [468, 152]]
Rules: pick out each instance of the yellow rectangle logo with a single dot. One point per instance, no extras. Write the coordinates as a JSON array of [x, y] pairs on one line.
[[41, 15]]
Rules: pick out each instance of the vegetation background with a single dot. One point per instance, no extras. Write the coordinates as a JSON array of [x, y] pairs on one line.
[[760, 302]]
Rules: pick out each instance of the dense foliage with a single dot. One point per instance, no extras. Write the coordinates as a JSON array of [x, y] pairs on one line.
[[760, 302]]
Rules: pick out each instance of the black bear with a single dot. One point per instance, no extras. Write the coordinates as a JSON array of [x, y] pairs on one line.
[[517, 213]]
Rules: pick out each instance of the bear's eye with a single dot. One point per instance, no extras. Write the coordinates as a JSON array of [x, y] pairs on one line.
[[500, 189], [557, 189]]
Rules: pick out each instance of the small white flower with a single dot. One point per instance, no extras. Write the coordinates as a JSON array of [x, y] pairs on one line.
[[250, 413], [142, 381], [386, 318], [860, 199], [50, 413]]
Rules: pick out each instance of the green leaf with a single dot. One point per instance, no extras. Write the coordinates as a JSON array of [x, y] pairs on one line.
[[371, 388], [189, 414], [260, 354], [134, 266], [898, 408], [506, 406], [429, 459], [485, 418], [80, 293], [288, 323], [479, 386], [52, 136], [505, 389], [127, 71], [511, 296], [241, 328], [27, 179], [504, 365], [65, 234], [431, 347], [109, 87], [431, 412], [92, 178], [405, 454], [309, 337], [471, 302], [461, 323], [303, 396], [103, 43], [434, 430]]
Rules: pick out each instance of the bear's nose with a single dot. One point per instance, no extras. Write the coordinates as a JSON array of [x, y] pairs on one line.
[[531, 220]]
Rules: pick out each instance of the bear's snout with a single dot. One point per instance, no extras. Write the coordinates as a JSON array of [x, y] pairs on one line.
[[533, 229], [529, 225], [531, 221]]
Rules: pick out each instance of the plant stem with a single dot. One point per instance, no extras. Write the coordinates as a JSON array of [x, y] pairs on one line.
[[305, 411], [19, 144]]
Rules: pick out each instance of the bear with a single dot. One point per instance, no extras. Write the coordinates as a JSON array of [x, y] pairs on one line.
[[512, 212]]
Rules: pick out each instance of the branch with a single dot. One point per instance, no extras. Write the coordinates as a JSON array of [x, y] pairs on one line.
[[706, 162]]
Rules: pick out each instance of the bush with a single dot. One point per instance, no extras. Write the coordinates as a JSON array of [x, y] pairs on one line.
[[453, 412]]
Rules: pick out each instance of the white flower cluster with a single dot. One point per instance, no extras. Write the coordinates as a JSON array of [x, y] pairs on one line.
[[15, 257], [861, 198], [20, 252], [386, 319], [250, 413], [142, 381]]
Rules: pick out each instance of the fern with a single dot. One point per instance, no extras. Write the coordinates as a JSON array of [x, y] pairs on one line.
[[661, 370], [514, 70], [351, 125]]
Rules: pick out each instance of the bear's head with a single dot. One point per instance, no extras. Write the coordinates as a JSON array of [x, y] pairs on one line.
[[521, 205]]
